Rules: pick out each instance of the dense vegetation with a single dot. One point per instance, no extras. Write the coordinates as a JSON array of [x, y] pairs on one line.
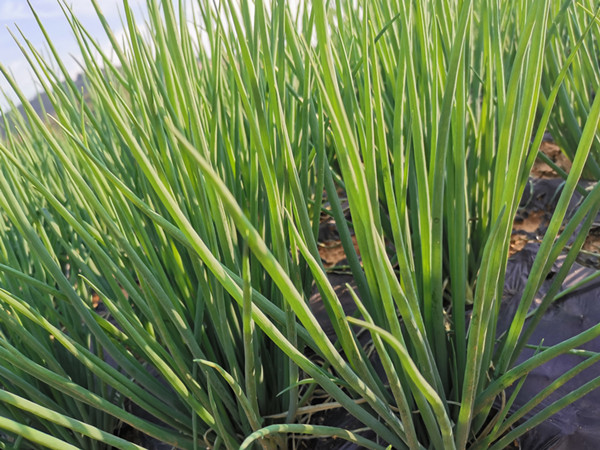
[[159, 234]]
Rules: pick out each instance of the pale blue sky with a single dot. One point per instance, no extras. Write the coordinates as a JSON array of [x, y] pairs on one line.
[[15, 13]]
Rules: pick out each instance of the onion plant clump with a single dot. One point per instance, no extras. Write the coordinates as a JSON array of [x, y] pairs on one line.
[[160, 231], [579, 88]]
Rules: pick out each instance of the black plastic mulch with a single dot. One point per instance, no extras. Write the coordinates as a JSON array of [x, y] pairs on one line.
[[577, 426]]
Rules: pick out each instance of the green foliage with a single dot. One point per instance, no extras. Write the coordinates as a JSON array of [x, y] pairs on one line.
[[576, 94], [159, 234]]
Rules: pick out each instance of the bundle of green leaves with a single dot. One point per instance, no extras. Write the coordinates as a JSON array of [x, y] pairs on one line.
[[159, 238], [580, 84]]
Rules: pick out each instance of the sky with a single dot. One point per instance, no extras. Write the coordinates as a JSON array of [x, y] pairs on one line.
[[16, 13]]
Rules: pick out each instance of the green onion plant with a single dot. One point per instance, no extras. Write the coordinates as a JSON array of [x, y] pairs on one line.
[[576, 95], [159, 233]]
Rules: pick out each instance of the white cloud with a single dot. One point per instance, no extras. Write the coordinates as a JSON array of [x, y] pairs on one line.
[[18, 10], [15, 10], [23, 76]]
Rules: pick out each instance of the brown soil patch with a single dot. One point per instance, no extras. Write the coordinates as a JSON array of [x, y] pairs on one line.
[[592, 242], [332, 252], [590, 252], [530, 222], [526, 228], [542, 170]]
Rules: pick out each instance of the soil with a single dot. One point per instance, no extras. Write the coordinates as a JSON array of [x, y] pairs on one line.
[[542, 170]]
